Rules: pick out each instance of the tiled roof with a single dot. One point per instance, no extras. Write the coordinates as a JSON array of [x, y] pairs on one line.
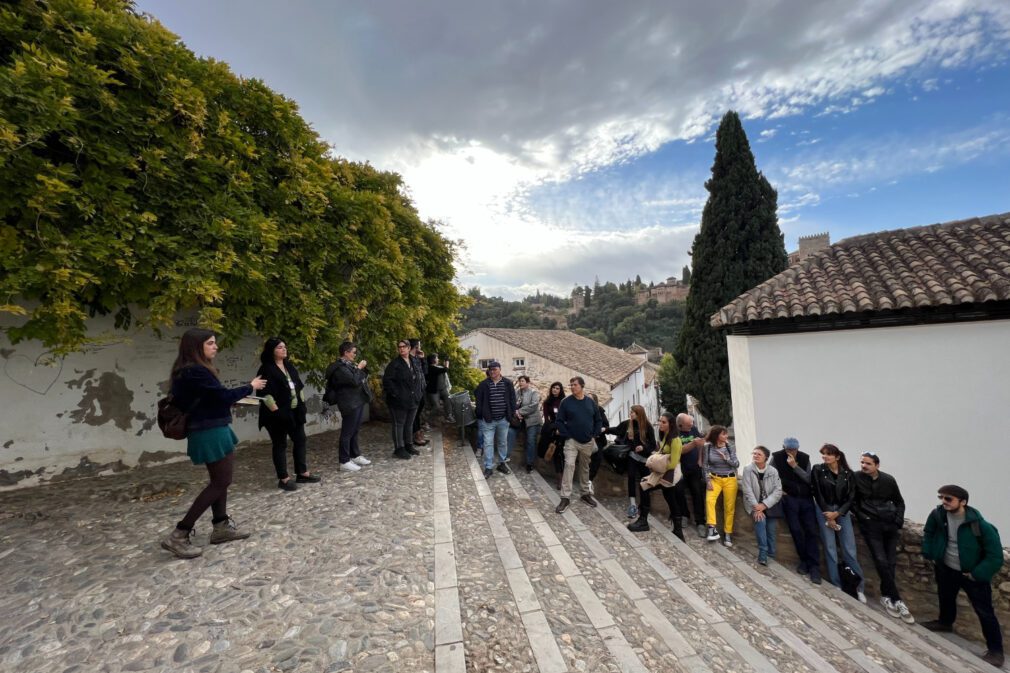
[[568, 349], [964, 262]]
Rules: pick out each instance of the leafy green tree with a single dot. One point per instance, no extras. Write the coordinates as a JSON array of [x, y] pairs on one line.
[[738, 246], [140, 181], [672, 395]]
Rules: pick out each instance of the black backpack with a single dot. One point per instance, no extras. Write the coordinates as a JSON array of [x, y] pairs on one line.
[[171, 419]]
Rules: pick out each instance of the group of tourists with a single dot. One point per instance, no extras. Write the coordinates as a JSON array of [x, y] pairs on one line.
[[822, 504]]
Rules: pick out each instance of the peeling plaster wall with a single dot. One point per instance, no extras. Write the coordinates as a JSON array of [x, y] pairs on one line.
[[95, 412]]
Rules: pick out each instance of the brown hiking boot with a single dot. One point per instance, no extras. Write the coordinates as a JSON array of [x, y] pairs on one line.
[[179, 543], [226, 531]]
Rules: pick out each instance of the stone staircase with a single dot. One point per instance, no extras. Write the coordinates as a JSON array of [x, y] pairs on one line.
[[520, 588]]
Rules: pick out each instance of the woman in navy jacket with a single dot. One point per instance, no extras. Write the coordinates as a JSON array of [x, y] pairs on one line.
[[210, 441]]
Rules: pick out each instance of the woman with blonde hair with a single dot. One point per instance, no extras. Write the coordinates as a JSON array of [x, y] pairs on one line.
[[638, 435]]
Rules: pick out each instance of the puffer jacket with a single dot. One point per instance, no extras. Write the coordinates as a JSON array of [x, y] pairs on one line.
[[982, 562]]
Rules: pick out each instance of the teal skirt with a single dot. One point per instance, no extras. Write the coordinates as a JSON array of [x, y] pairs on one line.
[[210, 445]]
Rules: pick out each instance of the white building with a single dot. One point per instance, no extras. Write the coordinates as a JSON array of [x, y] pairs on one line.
[[895, 343], [619, 379], [95, 412]]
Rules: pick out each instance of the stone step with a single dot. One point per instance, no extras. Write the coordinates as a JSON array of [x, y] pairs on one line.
[[654, 602]]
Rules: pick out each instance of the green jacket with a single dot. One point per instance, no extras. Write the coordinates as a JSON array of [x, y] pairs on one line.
[[982, 562]]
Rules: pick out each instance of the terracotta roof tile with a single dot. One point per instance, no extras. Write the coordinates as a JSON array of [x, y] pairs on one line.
[[582, 355], [964, 262]]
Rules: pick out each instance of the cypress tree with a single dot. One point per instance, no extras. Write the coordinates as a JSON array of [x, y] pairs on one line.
[[738, 246]]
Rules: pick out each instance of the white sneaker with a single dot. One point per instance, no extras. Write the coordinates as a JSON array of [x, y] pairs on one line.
[[592, 491], [889, 607], [728, 540], [903, 612], [361, 460], [350, 466], [861, 597]]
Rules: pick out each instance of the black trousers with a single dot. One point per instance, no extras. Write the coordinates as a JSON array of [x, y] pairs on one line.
[[693, 483], [949, 583], [802, 518], [882, 539], [417, 415], [279, 433], [350, 423], [403, 426], [636, 471], [671, 501]]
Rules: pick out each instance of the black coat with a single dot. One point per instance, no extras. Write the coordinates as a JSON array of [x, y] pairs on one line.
[[833, 497], [792, 483], [277, 386], [403, 383], [350, 385]]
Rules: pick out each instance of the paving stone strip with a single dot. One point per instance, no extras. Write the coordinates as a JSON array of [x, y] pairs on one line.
[[941, 660], [683, 653], [449, 653], [755, 659], [541, 639]]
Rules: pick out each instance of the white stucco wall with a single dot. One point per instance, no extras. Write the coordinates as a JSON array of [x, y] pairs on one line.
[[93, 412], [932, 401]]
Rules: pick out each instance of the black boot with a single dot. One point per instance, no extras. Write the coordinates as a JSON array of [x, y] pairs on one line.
[[401, 453], [678, 528], [411, 450], [641, 524]]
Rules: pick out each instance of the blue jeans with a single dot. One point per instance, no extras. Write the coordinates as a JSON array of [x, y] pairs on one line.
[[531, 441], [848, 538], [495, 434], [764, 530]]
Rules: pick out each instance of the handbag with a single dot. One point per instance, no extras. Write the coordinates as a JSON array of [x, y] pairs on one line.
[[616, 456], [171, 419], [517, 422]]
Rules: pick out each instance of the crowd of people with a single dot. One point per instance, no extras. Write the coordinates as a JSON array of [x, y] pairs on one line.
[[822, 504]]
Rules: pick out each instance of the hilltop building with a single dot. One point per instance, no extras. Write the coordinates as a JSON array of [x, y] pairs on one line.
[[671, 290]]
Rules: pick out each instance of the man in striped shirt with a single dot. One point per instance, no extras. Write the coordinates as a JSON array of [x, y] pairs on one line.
[[496, 403]]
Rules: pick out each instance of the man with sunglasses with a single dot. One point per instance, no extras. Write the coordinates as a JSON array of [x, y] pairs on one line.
[[880, 512], [967, 553]]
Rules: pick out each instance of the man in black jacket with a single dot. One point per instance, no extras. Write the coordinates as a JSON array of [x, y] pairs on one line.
[[798, 505], [347, 385], [880, 511]]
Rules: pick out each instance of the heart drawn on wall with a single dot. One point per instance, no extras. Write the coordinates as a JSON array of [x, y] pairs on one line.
[[38, 375]]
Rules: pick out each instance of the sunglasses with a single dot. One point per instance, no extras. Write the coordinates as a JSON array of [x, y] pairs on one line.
[[946, 498], [869, 454]]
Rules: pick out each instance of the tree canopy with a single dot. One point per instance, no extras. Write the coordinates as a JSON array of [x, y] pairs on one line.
[[738, 246], [139, 180]]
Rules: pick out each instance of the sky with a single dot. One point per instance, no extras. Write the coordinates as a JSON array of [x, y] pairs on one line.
[[568, 140]]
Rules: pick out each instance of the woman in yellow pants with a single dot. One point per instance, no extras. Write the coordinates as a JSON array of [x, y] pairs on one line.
[[719, 464]]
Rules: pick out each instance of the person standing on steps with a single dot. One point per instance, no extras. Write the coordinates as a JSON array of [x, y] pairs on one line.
[[966, 552], [693, 479], [834, 488], [669, 445], [578, 421], [719, 463], [210, 441], [347, 381], [527, 409], [880, 513], [762, 490], [798, 505], [601, 443], [438, 388], [496, 404], [282, 413], [403, 386]]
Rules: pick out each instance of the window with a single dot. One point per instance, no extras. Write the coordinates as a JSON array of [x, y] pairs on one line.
[[518, 362], [483, 364]]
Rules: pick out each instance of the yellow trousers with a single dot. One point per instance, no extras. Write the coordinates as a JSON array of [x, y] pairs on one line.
[[727, 487]]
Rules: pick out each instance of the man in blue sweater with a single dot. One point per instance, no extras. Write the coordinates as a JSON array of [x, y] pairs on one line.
[[578, 422]]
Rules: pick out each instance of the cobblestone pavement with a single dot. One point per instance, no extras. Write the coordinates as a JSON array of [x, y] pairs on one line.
[[420, 565]]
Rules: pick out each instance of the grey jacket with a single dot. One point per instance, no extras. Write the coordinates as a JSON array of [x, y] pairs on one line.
[[528, 406], [751, 487]]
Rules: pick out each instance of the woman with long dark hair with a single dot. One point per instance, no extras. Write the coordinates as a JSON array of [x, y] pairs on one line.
[[210, 441], [834, 487], [669, 445], [636, 433], [549, 432], [282, 413]]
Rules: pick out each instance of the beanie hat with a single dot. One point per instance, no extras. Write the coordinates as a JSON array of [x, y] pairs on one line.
[[953, 491], [790, 443]]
